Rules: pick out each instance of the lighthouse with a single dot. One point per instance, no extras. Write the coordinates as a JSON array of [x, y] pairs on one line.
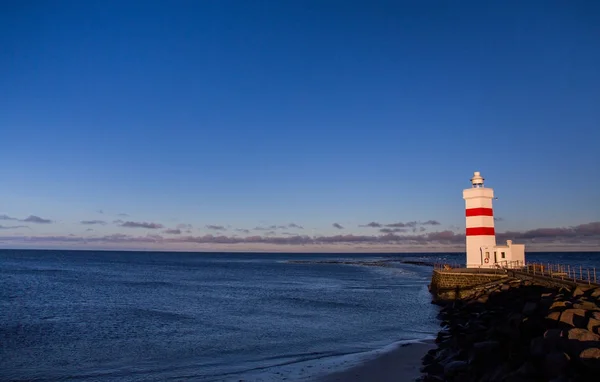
[[482, 251]]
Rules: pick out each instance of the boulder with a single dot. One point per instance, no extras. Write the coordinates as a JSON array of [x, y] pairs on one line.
[[555, 364], [483, 352], [577, 340], [537, 347], [593, 325], [586, 305], [578, 292], [433, 369], [573, 317], [553, 316], [552, 339], [577, 334], [590, 357], [455, 368], [595, 293], [562, 378], [529, 308], [528, 370], [560, 305], [505, 287]]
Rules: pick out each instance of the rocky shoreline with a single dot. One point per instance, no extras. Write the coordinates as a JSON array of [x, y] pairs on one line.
[[518, 331]]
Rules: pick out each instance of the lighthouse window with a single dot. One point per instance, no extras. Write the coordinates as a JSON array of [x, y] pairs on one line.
[[503, 255]]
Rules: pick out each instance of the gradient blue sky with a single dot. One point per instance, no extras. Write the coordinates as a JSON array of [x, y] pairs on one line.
[[256, 113]]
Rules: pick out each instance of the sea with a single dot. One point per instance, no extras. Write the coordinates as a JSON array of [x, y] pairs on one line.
[[155, 316]]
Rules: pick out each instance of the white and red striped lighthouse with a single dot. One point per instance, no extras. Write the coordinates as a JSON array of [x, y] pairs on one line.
[[481, 237]]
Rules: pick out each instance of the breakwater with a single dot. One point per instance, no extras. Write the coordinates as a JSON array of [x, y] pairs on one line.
[[514, 329]]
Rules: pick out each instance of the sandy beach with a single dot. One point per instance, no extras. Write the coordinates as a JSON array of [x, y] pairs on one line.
[[400, 364]]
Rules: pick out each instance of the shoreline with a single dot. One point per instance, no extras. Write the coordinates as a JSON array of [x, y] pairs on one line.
[[402, 363]]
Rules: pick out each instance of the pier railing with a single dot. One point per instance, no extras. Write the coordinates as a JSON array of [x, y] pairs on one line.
[[577, 274], [574, 273]]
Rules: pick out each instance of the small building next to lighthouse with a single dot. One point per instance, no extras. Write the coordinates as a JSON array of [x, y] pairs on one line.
[[482, 251]]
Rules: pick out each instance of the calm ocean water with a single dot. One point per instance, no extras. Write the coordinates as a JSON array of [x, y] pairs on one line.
[[129, 316]]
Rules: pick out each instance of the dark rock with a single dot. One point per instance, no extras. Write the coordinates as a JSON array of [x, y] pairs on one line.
[[562, 378], [537, 347], [505, 287], [595, 293], [483, 351], [429, 357], [529, 308], [590, 357], [556, 364], [433, 369], [528, 369], [442, 336], [454, 368], [552, 339], [514, 319]]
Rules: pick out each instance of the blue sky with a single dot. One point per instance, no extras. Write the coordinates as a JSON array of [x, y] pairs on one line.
[[250, 114]]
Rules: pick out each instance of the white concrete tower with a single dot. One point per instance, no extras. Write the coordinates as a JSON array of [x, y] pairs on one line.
[[481, 237]]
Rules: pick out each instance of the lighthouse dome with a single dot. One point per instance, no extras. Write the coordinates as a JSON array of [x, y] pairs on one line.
[[477, 180]]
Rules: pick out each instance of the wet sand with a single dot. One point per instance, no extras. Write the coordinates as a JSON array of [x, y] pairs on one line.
[[400, 364]]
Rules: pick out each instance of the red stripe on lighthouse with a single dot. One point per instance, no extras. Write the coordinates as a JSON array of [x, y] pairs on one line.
[[480, 212], [480, 231]]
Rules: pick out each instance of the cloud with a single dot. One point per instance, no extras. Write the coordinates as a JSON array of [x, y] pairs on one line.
[[498, 219], [337, 225], [172, 231], [431, 222], [129, 224], [411, 224], [89, 230], [216, 227], [583, 235], [372, 225], [29, 219], [13, 226], [392, 230], [36, 219], [276, 227], [92, 222], [100, 211], [184, 226], [123, 215], [581, 231], [242, 230]]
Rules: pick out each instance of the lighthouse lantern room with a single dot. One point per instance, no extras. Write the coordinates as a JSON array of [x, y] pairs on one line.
[[482, 250]]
